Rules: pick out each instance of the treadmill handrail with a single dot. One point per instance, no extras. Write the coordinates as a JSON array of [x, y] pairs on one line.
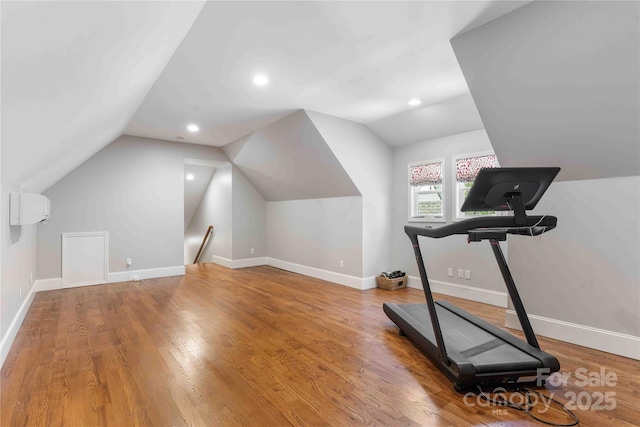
[[514, 295], [533, 226], [435, 323]]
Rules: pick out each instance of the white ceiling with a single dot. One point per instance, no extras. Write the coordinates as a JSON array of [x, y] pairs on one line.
[[360, 61], [449, 117], [77, 75], [73, 75]]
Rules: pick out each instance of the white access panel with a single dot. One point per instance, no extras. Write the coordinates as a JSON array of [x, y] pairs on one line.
[[85, 258]]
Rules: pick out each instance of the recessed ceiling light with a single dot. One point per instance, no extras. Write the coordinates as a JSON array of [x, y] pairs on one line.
[[414, 102], [190, 177], [193, 128], [260, 80]]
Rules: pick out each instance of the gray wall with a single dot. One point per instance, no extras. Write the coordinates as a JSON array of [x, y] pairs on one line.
[[249, 212], [194, 189], [133, 189], [238, 214], [562, 90], [556, 84], [19, 256], [451, 251], [585, 271], [317, 233], [367, 160], [291, 162], [214, 209]]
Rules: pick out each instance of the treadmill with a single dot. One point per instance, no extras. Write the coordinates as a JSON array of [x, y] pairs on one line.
[[469, 351]]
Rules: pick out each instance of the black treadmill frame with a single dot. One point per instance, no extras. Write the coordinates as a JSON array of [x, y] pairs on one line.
[[454, 365]]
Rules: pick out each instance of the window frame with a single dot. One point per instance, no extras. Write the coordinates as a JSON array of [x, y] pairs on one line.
[[412, 195], [456, 202]]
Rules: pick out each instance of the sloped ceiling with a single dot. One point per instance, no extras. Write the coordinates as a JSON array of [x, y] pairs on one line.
[[289, 160], [77, 75], [73, 75], [558, 84], [360, 61], [449, 117]]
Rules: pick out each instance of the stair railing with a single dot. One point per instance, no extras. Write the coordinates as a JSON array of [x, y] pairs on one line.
[[204, 241]]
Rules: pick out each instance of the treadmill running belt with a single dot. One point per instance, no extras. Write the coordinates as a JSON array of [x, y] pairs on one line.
[[485, 351], [482, 348]]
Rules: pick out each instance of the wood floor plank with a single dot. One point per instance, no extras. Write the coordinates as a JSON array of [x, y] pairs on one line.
[[255, 347]]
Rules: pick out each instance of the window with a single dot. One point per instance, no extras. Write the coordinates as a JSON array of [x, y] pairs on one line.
[[426, 195], [467, 168]]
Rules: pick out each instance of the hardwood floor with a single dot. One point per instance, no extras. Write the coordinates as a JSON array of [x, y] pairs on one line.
[[256, 347]]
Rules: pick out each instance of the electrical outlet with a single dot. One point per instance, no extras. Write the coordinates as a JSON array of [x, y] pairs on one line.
[[253, 251], [467, 274], [341, 264], [460, 273], [450, 272], [129, 262]]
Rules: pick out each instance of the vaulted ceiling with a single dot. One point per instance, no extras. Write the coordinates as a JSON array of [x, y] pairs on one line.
[[548, 84], [361, 61], [73, 75], [76, 75]]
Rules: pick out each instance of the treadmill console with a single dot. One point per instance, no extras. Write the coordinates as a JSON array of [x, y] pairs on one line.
[[494, 189]]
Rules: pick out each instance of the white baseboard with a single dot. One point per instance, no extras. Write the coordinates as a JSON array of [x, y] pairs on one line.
[[485, 296], [48, 284], [330, 276], [239, 263], [369, 282], [586, 336], [115, 277], [360, 283], [249, 262], [83, 284], [149, 273], [14, 327], [225, 262]]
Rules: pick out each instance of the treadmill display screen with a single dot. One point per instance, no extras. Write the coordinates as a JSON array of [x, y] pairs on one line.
[[494, 188]]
